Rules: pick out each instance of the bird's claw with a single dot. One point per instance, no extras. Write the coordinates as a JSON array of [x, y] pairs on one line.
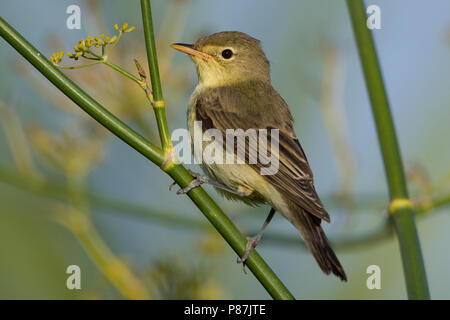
[[172, 185], [198, 181], [252, 242], [201, 179]]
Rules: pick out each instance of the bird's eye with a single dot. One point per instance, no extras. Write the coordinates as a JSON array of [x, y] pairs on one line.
[[227, 54]]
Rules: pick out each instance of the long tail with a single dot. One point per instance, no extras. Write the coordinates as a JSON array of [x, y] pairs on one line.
[[317, 243]]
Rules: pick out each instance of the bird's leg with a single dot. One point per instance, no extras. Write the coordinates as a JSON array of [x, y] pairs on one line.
[[201, 179], [252, 242]]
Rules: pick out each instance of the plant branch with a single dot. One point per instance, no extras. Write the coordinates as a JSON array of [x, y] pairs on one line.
[[122, 71], [401, 208], [158, 100]]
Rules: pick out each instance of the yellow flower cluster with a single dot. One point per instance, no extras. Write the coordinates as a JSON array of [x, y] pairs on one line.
[[124, 28], [56, 57], [84, 45]]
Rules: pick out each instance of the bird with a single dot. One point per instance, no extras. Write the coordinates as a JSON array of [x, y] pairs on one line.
[[234, 91]]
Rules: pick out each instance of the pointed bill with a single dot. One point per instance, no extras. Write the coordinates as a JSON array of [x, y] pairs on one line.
[[189, 49]]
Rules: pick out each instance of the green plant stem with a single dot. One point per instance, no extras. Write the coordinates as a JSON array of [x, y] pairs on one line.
[[403, 216], [80, 66], [150, 46], [122, 71], [158, 100], [110, 48], [225, 227]]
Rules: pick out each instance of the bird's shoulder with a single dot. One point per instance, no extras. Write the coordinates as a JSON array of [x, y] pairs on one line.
[[246, 101]]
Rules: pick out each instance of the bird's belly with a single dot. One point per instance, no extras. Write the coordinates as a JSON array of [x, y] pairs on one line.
[[216, 165], [243, 178], [239, 177]]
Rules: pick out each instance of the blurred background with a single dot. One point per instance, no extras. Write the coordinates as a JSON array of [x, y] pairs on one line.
[[73, 194]]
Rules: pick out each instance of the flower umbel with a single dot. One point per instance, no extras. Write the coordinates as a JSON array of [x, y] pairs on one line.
[[57, 57], [86, 48]]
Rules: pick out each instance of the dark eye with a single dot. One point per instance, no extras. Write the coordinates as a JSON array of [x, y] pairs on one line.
[[227, 54]]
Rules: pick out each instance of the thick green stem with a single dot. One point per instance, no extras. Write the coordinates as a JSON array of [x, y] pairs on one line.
[[214, 214], [158, 104], [151, 49], [402, 215]]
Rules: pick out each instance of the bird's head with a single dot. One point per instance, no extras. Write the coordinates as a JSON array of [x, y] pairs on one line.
[[227, 57]]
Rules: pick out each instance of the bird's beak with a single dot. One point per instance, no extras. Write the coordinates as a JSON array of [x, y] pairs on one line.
[[189, 49]]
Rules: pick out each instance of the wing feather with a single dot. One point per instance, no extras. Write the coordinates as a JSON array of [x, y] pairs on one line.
[[250, 108]]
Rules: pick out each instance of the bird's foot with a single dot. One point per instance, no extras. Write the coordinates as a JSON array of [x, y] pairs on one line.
[[252, 242], [198, 181], [201, 179]]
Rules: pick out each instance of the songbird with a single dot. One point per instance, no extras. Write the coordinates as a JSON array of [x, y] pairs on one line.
[[234, 91]]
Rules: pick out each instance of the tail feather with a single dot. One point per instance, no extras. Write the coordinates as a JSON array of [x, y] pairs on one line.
[[317, 243]]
